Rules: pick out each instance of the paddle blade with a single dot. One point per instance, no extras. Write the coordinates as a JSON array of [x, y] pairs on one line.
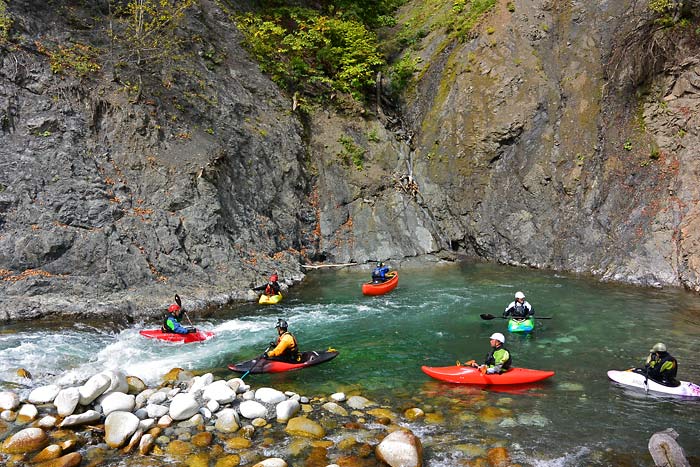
[[178, 301], [486, 316]]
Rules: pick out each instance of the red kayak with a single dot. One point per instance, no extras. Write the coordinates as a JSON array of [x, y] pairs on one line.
[[469, 375], [174, 337], [264, 365], [380, 288]]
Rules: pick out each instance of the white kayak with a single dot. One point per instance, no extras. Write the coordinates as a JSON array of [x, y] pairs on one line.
[[637, 380]]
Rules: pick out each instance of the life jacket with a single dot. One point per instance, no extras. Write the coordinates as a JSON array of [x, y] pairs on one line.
[[291, 353], [667, 376], [272, 288], [491, 360], [519, 312], [165, 327]]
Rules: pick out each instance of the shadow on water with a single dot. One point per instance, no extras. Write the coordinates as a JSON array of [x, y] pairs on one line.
[[575, 418]]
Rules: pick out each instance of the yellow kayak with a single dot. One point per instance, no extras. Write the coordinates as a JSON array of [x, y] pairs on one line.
[[270, 299]]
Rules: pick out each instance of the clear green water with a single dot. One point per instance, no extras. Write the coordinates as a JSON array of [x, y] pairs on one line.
[[576, 418]]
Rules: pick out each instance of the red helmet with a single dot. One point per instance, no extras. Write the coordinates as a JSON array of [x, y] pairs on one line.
[[174, 307], [273, 278]]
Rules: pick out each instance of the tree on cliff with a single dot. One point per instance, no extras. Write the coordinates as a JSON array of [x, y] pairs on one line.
[[146, 36]]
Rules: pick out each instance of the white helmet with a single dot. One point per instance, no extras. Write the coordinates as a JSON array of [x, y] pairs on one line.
[[519, 295], [499, 337]]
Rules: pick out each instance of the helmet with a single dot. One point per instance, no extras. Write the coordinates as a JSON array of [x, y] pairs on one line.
[[273, 278], [174, 307], [282, 324], [660, 347], [519, 295], [379, 264], [499, 337]]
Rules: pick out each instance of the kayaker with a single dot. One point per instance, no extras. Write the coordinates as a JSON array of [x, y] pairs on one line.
[[519, 309], [379, 273], [498, 360], [172, 321], [272, 287], [285, 348], [661, 366]]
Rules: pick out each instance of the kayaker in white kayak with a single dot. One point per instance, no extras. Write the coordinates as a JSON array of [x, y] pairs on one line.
[[286, 347], [519, 308], [661, 366], [498, 360]]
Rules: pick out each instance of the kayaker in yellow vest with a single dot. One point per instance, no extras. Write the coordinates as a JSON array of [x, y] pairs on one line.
[[661, 366], [285, 348], [498, 360]]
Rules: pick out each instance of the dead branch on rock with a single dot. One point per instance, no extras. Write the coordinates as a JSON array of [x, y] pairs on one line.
[[320, 266]]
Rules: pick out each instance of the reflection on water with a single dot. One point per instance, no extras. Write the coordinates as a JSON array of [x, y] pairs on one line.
[[577, 417]]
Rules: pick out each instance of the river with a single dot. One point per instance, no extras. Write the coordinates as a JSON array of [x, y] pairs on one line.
[[577, 417]]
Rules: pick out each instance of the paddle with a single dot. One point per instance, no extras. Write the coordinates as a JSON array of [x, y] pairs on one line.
[[261, 357], [488, 316], [179, 303], [646, 378]]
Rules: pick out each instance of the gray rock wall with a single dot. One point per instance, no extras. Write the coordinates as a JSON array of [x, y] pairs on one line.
[[540, 139]]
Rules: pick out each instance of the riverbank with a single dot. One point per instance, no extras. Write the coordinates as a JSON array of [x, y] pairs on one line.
[[114, 419], [432, 318]]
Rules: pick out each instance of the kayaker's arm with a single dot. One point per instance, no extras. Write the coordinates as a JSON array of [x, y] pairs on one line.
[[174, 326], [286, 342]]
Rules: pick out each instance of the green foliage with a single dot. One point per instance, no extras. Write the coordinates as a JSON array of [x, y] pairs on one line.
[[402, 71], [628, 145], [352, 152], [373, 13], [511, 7], [467, 15], [661, 6], [313, 53], [78, 59], [669, 13], [5, 23], [654, 152], [148, 30]]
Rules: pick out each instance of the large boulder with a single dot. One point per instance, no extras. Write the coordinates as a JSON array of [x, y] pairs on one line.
[[302, 426], [43, 394], [117, 402], [66, 401], [219, 391], [26, 440], [89, 416], [183, 406], [270, 395], [117, 381], [8, 400], [119, 426], [227, 421], [287, 409], [252, 409], [93, 388], [400, 449]]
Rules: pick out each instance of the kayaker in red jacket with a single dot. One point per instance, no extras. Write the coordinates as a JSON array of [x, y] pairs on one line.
[[285, 348], [272, 287]]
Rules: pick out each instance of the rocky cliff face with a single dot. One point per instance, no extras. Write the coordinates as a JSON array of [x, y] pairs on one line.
[[556, 135], [526, 143], [111, 201]]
